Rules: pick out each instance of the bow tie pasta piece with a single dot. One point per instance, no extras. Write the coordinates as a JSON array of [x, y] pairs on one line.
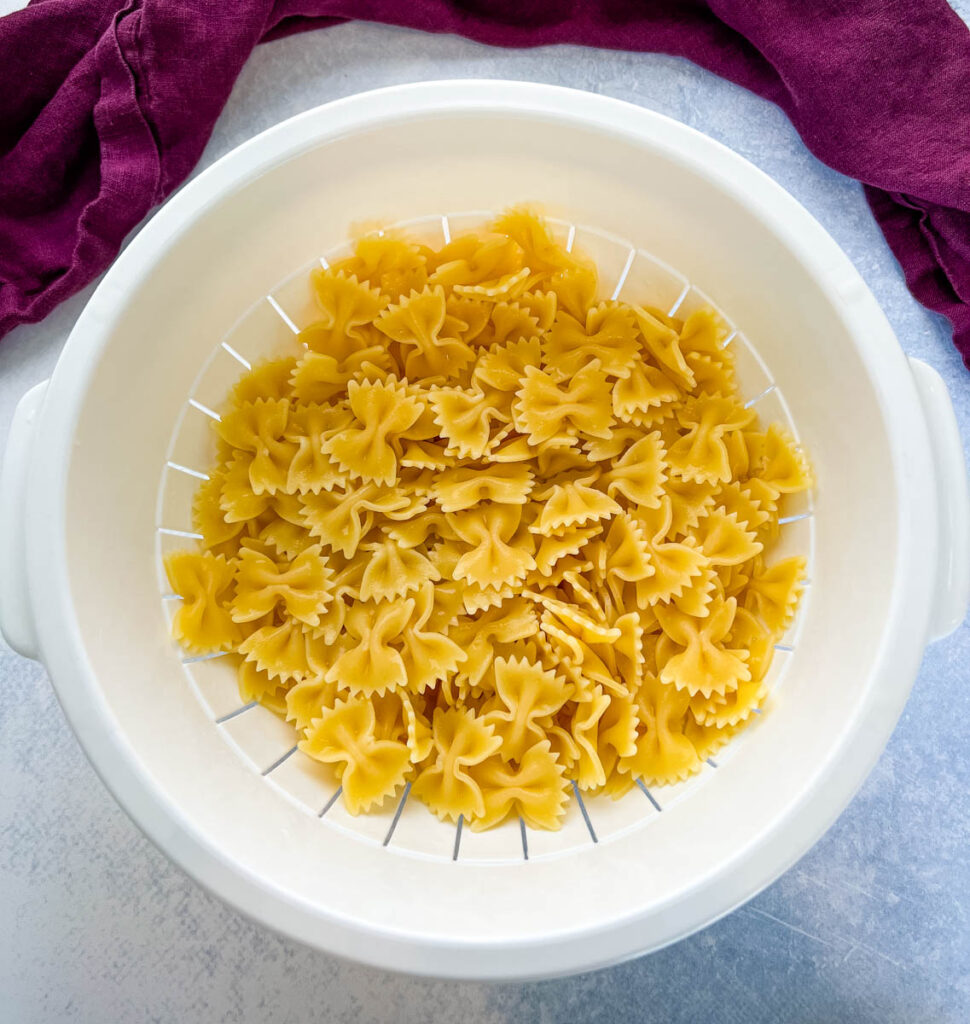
[[382, 412], [558, 463], [393, 571], [330, 628], [732, 580], [782, 466], [469, 315], [575, 289], [372, 665], [471, 261], [703, 665], [662, 342], [493, 535], [663, 418], [559, 546], [604, 449], [584, 726], [616, 734], [490, 560], [508, 322], [701, 454], [288, 508], [209, 518], [702, 341], [536, 790], [546, 408], [688, 502], [372, 769], [321, 377], [704, 332], [726, 541], [425, 427], [464, 487], [503, 366], [340, 519], [645, 387], [767, 498], [279, 651], [255, 686], [586, 665], [562, 746], [525, 694], [429, 656], [774, 591], [461, 740], [465, 418], [738, 445], [664, 754], [625, 552], [301, 586], [259, 428], [541, 306], [425, 455], [309, 699], [748, 632], [528, 231], [203, 622], [267, 379], [347, 306], [715, 414], [283, 530], [237, 499], [696, 595], [573, 504], [608, 334], [571, 279], [713, 373], [400, 716], [738, 500], [348, 578], [285, 539], [392, 265], [639, 474], [420, 530], [503, 624], [415, 323], [309, 427]]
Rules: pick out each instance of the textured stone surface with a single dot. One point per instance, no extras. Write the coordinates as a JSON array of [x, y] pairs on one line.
[[872, 925]]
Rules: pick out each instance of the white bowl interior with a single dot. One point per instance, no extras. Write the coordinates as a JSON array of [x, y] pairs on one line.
[[204, 307]]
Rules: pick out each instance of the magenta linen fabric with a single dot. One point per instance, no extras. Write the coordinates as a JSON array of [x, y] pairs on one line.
[[105, 107]]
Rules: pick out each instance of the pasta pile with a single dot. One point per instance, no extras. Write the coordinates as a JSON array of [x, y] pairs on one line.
[[490, 535]]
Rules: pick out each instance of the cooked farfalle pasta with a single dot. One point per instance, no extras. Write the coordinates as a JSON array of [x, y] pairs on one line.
[[491, 536]]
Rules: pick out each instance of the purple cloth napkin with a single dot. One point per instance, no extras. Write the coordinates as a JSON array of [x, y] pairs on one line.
[[106, 105]]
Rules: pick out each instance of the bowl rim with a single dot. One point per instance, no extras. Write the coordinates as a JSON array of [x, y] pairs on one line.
[[853, 755]]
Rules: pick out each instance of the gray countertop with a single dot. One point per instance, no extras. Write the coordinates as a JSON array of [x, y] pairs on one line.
[[872, 925]]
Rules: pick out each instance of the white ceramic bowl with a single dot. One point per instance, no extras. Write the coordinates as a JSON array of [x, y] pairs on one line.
[[94, 468]]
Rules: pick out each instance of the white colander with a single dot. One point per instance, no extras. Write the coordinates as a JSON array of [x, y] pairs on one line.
[[103, 459]]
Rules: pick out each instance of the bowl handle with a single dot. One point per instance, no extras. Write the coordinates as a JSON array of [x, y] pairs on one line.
[[953, 502], [16, 616]]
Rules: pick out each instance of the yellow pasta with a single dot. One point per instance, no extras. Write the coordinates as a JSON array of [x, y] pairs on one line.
[[491, 536]]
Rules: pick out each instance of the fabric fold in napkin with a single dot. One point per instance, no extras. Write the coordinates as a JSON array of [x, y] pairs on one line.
[[106, 106]]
